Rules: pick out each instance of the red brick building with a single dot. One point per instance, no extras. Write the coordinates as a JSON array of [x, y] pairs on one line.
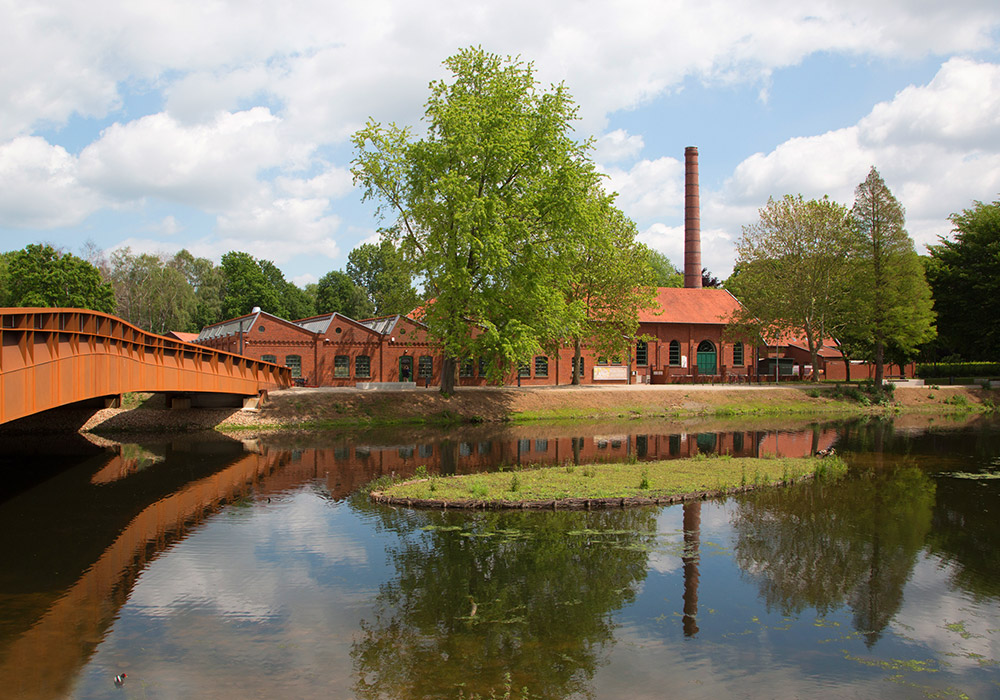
[[334, 350]]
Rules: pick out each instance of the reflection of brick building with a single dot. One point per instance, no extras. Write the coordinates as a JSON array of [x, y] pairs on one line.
[[347, 466]]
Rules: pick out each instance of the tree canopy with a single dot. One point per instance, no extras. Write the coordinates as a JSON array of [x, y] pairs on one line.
[[150, 292], [892, 306], [249, 282], [664, 272], [382, 272], [336, 292], [487, 202], [40, 275], [793, 271], [964, 273]]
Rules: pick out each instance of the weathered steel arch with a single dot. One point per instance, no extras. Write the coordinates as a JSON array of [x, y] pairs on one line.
[[55, 357]]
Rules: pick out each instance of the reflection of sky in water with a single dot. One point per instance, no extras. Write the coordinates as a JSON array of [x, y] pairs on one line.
[[260, 601], [265, 601], [743, 650]]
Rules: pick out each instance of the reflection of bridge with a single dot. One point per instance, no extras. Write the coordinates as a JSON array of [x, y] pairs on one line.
[[55, 357]]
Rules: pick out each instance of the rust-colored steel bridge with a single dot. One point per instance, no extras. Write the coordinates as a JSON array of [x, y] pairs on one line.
[[56, 357]]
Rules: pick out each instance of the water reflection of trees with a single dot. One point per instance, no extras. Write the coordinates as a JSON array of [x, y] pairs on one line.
[[965, 532], [480, 596], [851, 543]]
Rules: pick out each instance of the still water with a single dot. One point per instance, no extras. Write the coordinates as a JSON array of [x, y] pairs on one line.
[[205, 567]]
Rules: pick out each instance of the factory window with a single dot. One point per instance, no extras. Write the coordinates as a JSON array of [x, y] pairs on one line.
[[541, 366], [342, 366], [641, 353], [675, 353], [362, 366], [425, 367]]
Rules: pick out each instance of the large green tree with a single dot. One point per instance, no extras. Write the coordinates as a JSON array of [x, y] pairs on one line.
[[964, 274], [794, 271], [664, 272], [150, 292], [892, 303], [610, 280], [40, 275], [207, 282], [382, 272], [336, 292], [486, 202], [247, 285]]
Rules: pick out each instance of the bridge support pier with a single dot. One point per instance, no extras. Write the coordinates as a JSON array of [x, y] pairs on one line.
[[187, 400]]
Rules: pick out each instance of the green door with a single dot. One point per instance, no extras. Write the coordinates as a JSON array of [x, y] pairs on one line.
[[706, 357]]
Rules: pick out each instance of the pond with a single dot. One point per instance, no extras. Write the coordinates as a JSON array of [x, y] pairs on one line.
[[216, 568]]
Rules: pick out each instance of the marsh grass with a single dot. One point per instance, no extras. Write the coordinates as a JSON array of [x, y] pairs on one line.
[[622, 480]]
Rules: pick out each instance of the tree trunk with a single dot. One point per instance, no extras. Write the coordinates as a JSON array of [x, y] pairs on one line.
[[879, 362], [448, 375], [576, 362]]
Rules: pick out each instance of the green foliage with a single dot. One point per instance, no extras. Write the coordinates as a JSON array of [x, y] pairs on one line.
[[964, 274], [664, 274], [248, 282], [892, 307], [207, 283], [246, 286], [958, 369], [336, 292], [793, 275], [382, 272], [151, 292], [488, 203], [39, 275]]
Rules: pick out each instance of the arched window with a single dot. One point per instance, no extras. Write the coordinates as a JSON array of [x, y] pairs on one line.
[[675, 354]]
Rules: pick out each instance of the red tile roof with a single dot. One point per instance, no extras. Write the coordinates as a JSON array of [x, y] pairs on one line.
[[682, 305], [181, 335]]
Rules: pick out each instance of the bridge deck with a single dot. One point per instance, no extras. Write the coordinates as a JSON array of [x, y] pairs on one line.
[[55, 357]]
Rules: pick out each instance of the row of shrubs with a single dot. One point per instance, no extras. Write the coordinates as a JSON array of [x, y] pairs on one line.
[[958, 369]]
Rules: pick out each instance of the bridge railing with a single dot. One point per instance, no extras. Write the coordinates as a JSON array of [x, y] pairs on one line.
[[53, 357]]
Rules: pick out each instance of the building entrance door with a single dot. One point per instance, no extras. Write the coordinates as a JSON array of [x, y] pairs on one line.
[[406, 368], [706, 357]]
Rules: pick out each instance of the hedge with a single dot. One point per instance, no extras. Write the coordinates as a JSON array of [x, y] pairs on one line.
[[958, 369]]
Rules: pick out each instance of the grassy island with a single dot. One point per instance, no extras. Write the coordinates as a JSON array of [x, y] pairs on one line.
[[605, 485]]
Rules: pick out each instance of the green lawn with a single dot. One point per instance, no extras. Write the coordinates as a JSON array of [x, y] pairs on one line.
[[643, 479]]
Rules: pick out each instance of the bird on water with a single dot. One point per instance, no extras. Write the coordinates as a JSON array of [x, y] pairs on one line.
[[120, 679]]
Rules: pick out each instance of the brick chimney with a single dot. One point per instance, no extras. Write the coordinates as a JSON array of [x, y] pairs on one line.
[[692, 220]]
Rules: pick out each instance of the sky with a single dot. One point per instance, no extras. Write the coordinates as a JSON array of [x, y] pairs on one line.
[[226, 125]]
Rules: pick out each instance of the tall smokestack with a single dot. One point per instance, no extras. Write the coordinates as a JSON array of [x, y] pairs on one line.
[[692, 220]]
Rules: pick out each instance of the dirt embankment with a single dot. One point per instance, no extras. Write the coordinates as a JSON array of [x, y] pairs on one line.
[[333, 407]]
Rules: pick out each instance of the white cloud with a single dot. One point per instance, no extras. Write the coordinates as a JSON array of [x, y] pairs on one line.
[[213, 166], [39, 187], [649, 188], [251, 96], [959, 108], [618, 145], [936, 145]]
